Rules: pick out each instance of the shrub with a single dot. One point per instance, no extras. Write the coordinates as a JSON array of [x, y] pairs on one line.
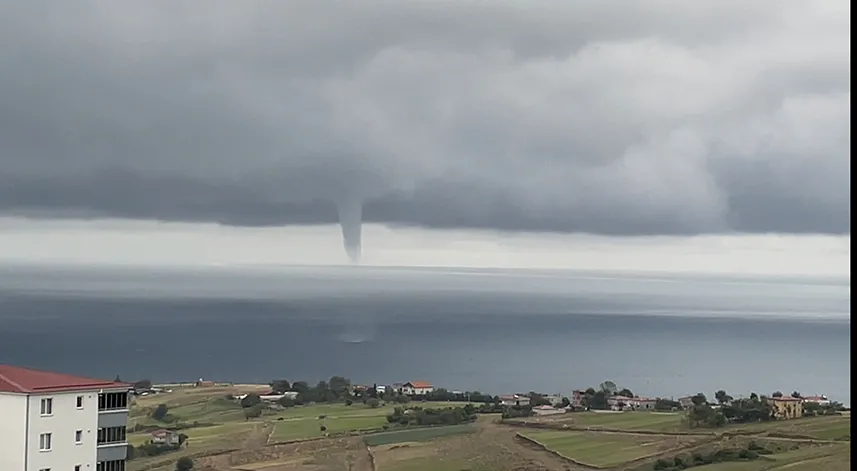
[[251, 400], [160, 412], [184, 464]]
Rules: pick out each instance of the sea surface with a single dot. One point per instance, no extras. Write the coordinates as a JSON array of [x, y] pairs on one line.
[[497, 331]]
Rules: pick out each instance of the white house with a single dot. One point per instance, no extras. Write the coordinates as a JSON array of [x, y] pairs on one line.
[[514, 400], [58, 422], [417, 388], [631, 403], [821, 400], [547, 410]]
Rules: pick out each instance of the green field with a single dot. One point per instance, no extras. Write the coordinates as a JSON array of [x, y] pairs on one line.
[[631, 421], [827, 458], [415, 435], [602, 450], [821, 428], [213, 422]]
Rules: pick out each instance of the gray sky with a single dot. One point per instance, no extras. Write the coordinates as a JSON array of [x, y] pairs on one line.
[[606, 117]]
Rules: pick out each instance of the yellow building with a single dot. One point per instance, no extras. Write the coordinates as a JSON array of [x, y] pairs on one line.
[[786, 407]]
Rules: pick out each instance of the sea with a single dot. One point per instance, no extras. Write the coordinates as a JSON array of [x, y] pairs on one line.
[[492, 330]]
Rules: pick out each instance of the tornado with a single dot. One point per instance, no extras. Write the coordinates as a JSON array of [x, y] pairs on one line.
[[351, 221]]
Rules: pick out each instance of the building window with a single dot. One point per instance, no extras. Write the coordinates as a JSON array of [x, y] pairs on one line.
[[111, 435], [118, 465], [45, 442], [47, 406], [77, 467], [45, 469], [113, 401], [78, 436], [79, 402]]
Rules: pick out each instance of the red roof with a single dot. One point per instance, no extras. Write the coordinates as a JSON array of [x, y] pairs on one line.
[[14, 379], [420, 384]]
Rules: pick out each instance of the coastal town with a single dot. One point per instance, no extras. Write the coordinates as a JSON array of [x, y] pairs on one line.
[[208, 425], [612, 399]]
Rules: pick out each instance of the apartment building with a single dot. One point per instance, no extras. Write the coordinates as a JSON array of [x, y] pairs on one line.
[[59, 422]]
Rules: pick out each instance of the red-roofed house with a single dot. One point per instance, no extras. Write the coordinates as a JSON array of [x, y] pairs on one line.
[[59, 421], [417, 388], [821, 400]]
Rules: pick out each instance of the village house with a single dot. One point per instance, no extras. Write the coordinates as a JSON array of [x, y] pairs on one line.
[[165, 437], [577, 397], [686, 402], [510, 400], [555, 400], [547, 410], [821, 400], [631, 403], [417, 388], [785, 408]]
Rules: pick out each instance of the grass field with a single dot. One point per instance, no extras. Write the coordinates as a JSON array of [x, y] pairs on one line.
[[215, 423], [415, 435], [603, 450], [821, 428], [630, 421], [826, 458]]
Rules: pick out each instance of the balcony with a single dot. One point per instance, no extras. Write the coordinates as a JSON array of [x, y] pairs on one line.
[[112, 401], [112, 409], [115, 465], [112, 444]]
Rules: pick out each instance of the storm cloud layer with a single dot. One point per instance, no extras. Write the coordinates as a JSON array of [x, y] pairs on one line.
[[627, 117]]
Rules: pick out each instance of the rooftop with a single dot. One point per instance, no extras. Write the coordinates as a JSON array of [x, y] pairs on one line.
[[784, 398], [420, 384], [14, 379]]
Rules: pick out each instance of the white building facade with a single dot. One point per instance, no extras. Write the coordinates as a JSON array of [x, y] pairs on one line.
[[417, 388], [57, 422]]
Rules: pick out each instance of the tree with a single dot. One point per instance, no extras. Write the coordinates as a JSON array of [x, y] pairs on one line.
[[754, 396], [608, 387], [252, 412], [722, 397], [565, 402], [699, 399], [143, 384], [626, 393], [777, 394], [597, 401], [251, 400], [286, 401], [340, 386], [160, 412], [796, 395], [280, 386], [373, 403], [184, 464], [301, 387]]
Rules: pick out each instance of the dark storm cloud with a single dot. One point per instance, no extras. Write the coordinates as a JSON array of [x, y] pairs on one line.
[[624, 117]]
